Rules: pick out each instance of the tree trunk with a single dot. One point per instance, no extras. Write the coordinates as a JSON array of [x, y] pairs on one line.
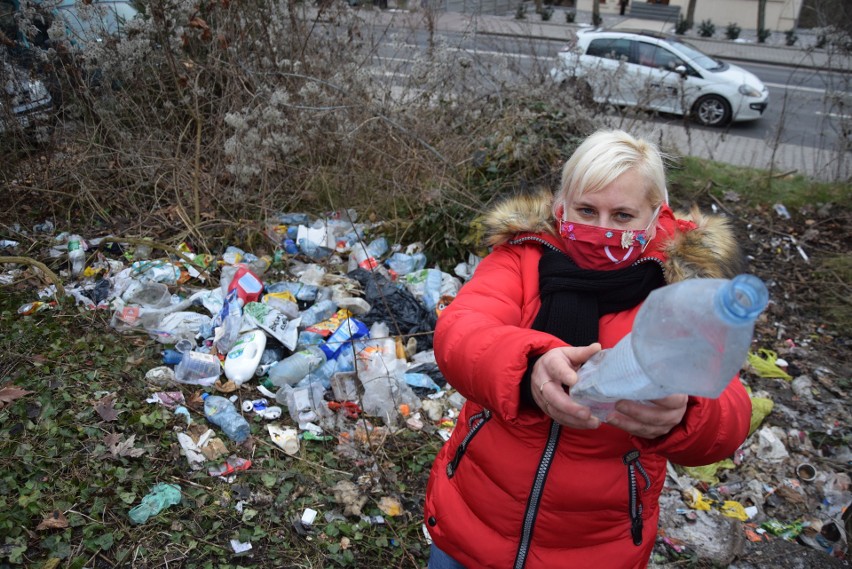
[[761, 20], [596, 13], [690, 13]]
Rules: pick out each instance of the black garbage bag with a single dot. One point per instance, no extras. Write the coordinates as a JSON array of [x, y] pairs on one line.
[[394, 305], [99, 292]]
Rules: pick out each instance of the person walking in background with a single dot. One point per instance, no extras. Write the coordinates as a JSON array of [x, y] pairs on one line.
[[622, 6], [529, 478]]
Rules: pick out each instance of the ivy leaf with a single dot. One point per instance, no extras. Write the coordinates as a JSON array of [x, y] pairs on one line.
[[118, 447], [104, 408], [55, 520], [9, 393]]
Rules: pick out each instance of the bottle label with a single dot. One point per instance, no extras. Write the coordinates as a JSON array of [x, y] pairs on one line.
[[369, 263]]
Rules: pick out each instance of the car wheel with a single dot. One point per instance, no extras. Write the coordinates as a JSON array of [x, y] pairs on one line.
[[712, 110]]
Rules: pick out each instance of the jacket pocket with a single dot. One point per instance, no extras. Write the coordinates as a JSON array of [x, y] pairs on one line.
[[475, 424]]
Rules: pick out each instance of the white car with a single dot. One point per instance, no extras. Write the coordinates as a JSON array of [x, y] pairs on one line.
[[25, 102], [662, 73]]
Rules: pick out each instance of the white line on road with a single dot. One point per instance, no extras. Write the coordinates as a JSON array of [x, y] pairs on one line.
[[835, 115], [795, 88]]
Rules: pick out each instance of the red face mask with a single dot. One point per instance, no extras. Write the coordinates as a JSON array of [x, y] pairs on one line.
[[602, 249]]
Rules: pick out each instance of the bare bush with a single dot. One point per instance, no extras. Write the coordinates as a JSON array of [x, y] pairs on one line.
[[200, 116]]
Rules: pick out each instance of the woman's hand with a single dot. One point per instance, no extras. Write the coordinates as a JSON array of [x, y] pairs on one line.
[[649, 419], [552, 373]]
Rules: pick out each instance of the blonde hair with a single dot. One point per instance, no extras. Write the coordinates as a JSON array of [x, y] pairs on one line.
[[603, 157]]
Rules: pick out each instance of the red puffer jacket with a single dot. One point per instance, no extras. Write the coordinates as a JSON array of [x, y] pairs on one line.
[[596, 490]]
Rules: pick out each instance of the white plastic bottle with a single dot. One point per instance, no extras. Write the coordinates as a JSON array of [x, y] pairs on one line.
[[690, 337], [76, 254], [244, 356]]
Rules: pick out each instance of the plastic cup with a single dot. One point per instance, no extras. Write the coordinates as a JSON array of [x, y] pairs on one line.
[[196, 367]]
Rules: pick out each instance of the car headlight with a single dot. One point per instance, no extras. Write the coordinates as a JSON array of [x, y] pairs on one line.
[[749, 91]]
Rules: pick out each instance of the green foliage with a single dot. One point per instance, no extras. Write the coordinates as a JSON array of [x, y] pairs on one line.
[[546, 13], [763, 34], [732, 31], [682, 26], [521, 11], [570, 16], [790, 37], [706, 29]]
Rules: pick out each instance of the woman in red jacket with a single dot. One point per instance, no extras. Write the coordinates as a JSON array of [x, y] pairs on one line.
[[529, 478]]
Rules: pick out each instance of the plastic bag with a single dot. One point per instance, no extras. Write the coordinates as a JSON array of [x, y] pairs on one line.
[[159, 498]]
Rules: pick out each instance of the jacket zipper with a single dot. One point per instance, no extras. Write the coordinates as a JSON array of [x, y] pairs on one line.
[[476, 422], [531, 512]]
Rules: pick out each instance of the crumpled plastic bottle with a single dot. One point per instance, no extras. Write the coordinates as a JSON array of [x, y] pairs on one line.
[[222, 413], [230, 320]]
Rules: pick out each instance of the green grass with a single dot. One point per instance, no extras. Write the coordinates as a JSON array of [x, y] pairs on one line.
[[691, 177], [57, 461]]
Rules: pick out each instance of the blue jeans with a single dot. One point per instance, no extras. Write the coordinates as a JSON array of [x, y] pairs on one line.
[[440, 560]]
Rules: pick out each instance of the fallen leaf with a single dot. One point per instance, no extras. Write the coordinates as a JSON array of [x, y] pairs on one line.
[[9, 393], [56, 520], [105, 409], [118, 447]]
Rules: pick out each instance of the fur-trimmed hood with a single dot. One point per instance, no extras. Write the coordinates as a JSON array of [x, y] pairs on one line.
[[693, 245]]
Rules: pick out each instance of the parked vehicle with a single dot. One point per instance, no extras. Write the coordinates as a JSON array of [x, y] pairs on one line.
[[25, 103], [659, 72], [25, 100]]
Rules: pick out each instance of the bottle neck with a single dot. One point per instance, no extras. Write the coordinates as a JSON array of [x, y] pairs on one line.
[[741, 300]]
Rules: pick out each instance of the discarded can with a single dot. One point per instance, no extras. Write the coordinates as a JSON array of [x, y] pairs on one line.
[[806, 472]]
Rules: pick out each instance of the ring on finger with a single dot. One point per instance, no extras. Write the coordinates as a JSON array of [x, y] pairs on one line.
[[543, 383]]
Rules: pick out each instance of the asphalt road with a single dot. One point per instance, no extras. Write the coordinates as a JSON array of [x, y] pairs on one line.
[[807, 107]]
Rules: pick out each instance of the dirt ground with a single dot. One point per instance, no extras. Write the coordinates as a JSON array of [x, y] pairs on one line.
[[810, 413]]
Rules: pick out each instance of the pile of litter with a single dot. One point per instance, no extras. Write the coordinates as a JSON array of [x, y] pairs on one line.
[[330, 339]]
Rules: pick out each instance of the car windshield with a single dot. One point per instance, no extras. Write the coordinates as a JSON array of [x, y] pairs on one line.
[[695, 56], [94, 21]]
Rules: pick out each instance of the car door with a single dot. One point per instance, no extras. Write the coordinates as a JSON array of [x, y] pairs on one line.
[[606, 68], [662, 86]]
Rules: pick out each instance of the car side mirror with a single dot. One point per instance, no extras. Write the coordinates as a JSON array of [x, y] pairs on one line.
[[680, 70]]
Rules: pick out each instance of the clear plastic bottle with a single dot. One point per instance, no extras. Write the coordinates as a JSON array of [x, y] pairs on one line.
[[690, 337], [230, 319], [222, 413], [402, 264], [367, 257], [319, 311], [292, 369]]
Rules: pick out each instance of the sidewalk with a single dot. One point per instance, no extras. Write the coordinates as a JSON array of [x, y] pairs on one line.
[[717, 145]]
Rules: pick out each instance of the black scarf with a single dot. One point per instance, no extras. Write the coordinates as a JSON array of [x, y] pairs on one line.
[[574, 299]]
